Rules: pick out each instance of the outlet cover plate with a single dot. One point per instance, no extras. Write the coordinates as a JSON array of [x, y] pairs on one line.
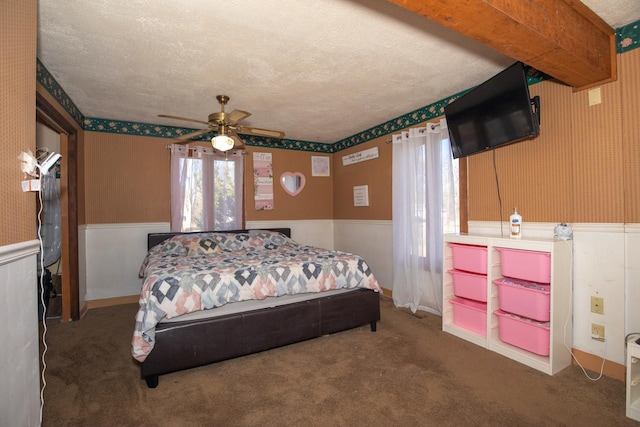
[[597, 332]]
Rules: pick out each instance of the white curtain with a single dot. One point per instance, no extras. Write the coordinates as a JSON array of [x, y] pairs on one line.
[[424, 204], [206, 189], [179, 153]]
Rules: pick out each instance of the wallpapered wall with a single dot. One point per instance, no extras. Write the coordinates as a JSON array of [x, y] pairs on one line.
[[127, 179], [315, 201], [17, 116], [375, 173], [581, 168]]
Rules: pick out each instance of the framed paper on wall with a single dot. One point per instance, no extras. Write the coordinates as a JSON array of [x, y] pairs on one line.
[[263, 181], [320, 166]]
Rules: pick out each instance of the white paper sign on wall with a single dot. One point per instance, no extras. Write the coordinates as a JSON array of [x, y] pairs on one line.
[[360, 156], [361, 195]]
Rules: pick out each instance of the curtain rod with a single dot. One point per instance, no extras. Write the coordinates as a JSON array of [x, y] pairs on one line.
[[243, 152], [433, 126]]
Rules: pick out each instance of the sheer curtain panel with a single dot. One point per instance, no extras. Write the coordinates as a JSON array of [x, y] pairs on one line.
[[206, 189], [424, 187], [179, 155]]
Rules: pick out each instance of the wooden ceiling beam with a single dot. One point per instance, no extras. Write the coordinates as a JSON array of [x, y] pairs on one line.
[[562, 38]]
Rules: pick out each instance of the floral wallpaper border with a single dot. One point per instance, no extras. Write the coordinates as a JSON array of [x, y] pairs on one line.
[[44, 77], [94, 124], [627, 38]]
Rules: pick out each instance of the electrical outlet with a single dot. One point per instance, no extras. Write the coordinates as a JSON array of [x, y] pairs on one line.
[[597, 332], [597, 305]]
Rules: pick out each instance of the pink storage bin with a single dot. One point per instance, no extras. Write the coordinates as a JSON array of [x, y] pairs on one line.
[[471, 315], [524, 333], [526, 265], [469, 285], [470, 258], [528, 299]]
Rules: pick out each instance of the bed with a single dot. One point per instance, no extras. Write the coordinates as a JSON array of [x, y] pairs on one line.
[[212, 296]]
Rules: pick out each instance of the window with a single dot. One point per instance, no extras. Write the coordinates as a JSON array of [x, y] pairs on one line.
[[206, 190], [450, 191], [424, 201]]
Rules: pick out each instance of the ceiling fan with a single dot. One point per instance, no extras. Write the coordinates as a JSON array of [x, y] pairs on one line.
[[226, 127]]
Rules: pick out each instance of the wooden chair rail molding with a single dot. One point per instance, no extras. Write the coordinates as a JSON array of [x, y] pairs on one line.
[[562, 38]]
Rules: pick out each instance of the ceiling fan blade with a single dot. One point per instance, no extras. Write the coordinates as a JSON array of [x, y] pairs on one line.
[[198, 132], [260, 131], [236, 115], [182, 118], [237, 141]]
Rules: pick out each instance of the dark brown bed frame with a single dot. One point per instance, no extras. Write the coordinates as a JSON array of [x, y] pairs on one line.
[[184, 345]]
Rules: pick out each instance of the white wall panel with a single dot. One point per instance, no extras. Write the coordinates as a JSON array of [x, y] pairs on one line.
[[113, 254], [372, 240], [306, 232], [632, 277], [20, 367], [598, 266]]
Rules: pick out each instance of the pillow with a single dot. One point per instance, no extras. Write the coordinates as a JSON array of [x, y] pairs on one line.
[[265, 239], [172, 246], [204, 246]]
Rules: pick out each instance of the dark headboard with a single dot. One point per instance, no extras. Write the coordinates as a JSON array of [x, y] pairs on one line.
[[155, 238]]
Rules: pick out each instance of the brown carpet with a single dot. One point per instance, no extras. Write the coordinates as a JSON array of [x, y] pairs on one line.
[[409, 372]]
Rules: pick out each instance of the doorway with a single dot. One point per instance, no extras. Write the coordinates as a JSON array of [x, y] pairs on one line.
[[49, 116], [49, 222]]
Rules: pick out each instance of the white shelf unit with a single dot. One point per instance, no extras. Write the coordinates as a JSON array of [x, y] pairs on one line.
[[633, 379], [560, 299]]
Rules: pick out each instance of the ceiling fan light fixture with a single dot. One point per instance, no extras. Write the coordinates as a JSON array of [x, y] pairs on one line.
[[222, 142]]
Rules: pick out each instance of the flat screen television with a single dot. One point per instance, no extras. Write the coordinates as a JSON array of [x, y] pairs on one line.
[[497, 112]]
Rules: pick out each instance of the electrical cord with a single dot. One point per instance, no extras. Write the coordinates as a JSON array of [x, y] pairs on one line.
[[42, 302], [495, 173], [569, 316]]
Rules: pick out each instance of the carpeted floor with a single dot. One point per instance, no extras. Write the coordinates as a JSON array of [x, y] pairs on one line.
[[409, 372]]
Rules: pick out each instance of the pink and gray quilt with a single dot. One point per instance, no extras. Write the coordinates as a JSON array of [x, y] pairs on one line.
[[193, 272]]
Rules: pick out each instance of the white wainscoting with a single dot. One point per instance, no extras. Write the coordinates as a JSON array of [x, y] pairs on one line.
[[20, 368], [632, 277], [372, 240], [306, 232], [111, 256], [606, 263]]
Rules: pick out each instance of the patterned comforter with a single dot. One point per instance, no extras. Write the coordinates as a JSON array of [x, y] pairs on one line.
[[193, 272]]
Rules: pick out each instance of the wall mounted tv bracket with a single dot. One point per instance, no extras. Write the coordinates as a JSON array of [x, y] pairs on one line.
[[535, 104]]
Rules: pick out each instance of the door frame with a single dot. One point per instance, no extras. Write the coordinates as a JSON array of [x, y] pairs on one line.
[[48, 115]]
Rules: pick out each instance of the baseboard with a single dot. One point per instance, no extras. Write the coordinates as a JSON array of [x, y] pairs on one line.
[[593, 363], [386, 293], [83, 310], [108, 302]]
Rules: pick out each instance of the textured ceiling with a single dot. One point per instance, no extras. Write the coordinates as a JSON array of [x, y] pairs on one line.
[[320, 71]]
